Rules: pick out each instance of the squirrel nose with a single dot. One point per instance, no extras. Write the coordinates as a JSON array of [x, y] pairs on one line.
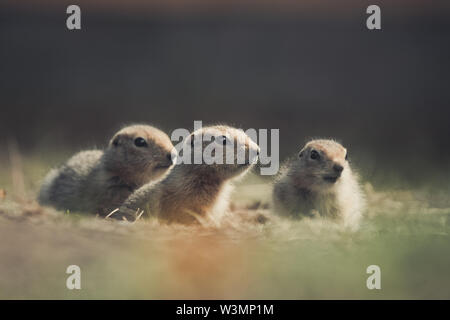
[[338, 168]]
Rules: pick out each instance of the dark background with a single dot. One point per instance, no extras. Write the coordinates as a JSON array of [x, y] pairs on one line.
[[309, 69]]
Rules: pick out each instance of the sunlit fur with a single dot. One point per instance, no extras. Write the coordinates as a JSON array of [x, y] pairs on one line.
[[98, 181], [195, 193], [312, 187]]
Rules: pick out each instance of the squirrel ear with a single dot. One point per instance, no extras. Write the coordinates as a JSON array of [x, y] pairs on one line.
[[115, 141], [300, 154]]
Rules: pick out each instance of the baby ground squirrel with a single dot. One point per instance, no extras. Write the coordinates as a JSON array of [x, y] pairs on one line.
[[191, 193], [98, 181], [319, 182]]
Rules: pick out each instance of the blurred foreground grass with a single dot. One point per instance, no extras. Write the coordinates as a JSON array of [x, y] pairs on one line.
[[405, 232]]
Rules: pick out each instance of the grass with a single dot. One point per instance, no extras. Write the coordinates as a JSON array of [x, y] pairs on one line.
[[405, 232]]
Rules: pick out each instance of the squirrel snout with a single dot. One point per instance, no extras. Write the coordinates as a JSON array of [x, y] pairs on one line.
[[338, 168]]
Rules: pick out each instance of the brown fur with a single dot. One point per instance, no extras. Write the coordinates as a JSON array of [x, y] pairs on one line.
[[193, 193], [97, 181], [316, 187]]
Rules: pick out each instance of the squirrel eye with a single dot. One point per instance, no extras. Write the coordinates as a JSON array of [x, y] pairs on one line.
[[140, 142], [314, 155]]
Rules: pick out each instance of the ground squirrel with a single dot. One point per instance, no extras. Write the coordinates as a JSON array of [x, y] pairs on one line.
[[319, 182], [193, 193], [98, 181]]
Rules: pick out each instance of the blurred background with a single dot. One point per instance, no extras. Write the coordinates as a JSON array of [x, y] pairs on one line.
[[310, 68]]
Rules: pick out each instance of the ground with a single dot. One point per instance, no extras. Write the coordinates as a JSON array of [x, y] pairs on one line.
[[405, 232]]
